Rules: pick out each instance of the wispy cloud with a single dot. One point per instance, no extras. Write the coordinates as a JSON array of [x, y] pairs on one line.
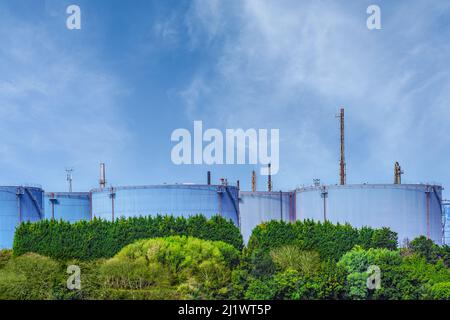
[[291, 64], [54, 104]]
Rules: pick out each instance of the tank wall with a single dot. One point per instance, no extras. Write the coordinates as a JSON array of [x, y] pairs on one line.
[[176, 200], [258, 207], [71, 207], [447, 224], [402, 208], [18, 204]]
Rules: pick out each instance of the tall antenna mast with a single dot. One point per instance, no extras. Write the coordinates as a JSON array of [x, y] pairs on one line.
[[253, 181], [342, 165], [69, 177]]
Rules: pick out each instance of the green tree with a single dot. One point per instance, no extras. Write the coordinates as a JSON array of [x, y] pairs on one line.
[[426, 248], [179, 266], [96, 239], [292, 257]]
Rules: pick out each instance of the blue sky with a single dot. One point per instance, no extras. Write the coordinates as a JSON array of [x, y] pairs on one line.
[[137, 70]]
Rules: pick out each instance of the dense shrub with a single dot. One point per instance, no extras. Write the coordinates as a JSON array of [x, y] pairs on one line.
[[441, 291], [327, 283], [329, 240], [5, 255], [173, 267], [292, 257], [89, 240], [357, 262], [402, 278], [426, 248]]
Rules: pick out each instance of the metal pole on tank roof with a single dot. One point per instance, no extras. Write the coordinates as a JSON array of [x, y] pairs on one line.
[[52, 201], [208, 178], [427, 194], [19, 194], [324, 194], [69, 177], [281, 205]]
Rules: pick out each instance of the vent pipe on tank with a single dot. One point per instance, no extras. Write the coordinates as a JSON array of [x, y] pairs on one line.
[[102, 180], [253, 181], [208, 178], [398, 173]]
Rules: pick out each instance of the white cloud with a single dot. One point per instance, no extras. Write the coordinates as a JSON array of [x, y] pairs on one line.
[[292, 64], [55, 104]]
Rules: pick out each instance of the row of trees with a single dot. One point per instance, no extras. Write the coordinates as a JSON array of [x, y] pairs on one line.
[[90, 240], [304, 260]]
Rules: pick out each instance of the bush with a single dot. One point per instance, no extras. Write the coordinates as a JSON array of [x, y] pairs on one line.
[[5, 256], [30, 277], [408, 278], [328, 240], [357, 262], [426, 248], [182, 267], [327, 283], [441, 291], [292, 257], [90, 240]]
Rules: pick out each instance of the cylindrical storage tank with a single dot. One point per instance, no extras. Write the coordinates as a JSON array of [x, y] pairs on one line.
[[411, 210], [18, 204], [175, 200], [258, 207], [68, 206]]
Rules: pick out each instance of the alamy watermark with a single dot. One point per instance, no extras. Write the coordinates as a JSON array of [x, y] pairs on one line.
[[235, 146], [374, 20], [374, 279], [74, 280], [73, 21]]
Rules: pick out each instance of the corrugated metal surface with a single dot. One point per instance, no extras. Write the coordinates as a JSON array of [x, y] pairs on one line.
[[447, 224], [176, 200], [68, 206], [410, 210], [18, 204], [258, 207]]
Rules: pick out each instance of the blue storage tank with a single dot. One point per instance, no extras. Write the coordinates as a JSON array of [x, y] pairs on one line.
[[258, 207], [18, 204], [68, 206], [411, 210], [176, 200]]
